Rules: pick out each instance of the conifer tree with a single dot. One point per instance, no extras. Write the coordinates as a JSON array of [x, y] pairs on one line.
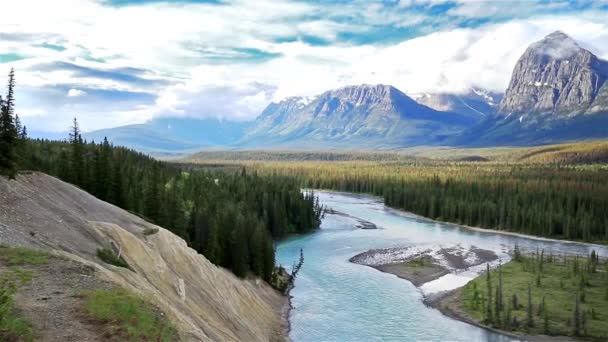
[[23, 134], [8, 132], [489, 315], [530, 320], [77, 170], [577, 316], [545, 317]]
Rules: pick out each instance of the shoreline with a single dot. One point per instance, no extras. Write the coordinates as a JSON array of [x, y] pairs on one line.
[[410, 214], [285, 316], [448, 303]]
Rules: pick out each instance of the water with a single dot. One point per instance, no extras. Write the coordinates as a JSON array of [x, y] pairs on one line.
[[336, 300]]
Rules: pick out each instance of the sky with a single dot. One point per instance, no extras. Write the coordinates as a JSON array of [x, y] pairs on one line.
[[118, 62]]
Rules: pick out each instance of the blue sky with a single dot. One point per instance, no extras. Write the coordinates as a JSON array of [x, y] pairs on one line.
[[115, 62]]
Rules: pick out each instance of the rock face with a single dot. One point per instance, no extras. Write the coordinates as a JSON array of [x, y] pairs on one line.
[[558, 92], [364, 114], [555, 75]]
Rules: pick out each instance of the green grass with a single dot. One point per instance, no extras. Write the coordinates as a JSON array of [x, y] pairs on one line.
[[128, 317], [559, 283], [108, 256], [12, 326], [17, 256]]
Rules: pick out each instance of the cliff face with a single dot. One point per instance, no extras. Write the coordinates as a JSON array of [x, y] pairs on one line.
[[555, 75], [205, 302]]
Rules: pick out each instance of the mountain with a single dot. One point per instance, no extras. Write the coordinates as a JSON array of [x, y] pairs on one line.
[[558, 92], [555, 76], [476, 103], [353, 116], [173, 134]]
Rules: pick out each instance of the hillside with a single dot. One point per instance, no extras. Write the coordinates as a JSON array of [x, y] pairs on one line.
[[203, 301]]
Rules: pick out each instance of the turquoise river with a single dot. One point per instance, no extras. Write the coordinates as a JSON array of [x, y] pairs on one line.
[[336, 300]]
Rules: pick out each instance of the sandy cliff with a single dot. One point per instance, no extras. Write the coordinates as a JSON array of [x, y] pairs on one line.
[[204, 301]]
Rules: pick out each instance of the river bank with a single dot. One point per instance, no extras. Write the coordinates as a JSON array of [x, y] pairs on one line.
[[337, 300]]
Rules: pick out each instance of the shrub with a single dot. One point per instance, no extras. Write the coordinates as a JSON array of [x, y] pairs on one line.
[[108, 256]]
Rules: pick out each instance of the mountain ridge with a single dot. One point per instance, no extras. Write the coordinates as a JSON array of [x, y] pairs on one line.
[[375, 113], [558, 92]]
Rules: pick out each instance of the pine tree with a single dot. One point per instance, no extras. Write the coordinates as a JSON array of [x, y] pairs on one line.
[[545, 317], [77, 164], [8, 132], [577, 316], [530, 320], [499, 303], [23, 134], [489, 315], [18, 126]]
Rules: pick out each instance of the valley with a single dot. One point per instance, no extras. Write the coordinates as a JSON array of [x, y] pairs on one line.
[[304, 171]]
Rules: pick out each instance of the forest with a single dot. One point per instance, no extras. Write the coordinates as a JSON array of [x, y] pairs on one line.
[[566, 201], [230, 216]]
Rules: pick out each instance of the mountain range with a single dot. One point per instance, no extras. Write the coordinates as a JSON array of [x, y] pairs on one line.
[[558, 92]]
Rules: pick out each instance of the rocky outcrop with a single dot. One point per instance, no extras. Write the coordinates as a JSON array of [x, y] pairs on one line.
[[205, 302], [557, 76]]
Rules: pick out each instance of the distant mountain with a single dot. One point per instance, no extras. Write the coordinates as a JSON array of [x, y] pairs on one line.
[[476, 103], [353, 116], [558, 91], [173, 134]]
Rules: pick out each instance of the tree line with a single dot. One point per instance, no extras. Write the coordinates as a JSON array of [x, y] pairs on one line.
[[569, 202], [230, 216]]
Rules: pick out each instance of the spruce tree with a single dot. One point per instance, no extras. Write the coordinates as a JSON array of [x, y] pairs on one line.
[[8, 132], [577, 316], [530, 320], [545, 317], [77, 163], [18, 126], [489, 301]]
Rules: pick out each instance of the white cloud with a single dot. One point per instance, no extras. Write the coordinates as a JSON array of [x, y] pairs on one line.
[[76, 92], [448, 61], [179, 44]]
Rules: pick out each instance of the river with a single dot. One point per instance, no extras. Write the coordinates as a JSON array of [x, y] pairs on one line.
[[336, 300]]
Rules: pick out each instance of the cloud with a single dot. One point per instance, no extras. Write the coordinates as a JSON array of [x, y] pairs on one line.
[[76, 92], [140, 59], [450, 61]]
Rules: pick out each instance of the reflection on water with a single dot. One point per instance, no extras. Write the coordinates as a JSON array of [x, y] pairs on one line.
[[335, 300]]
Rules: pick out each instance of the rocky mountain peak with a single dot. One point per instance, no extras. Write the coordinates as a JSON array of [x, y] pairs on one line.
[[554, 75], [359, 93]]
